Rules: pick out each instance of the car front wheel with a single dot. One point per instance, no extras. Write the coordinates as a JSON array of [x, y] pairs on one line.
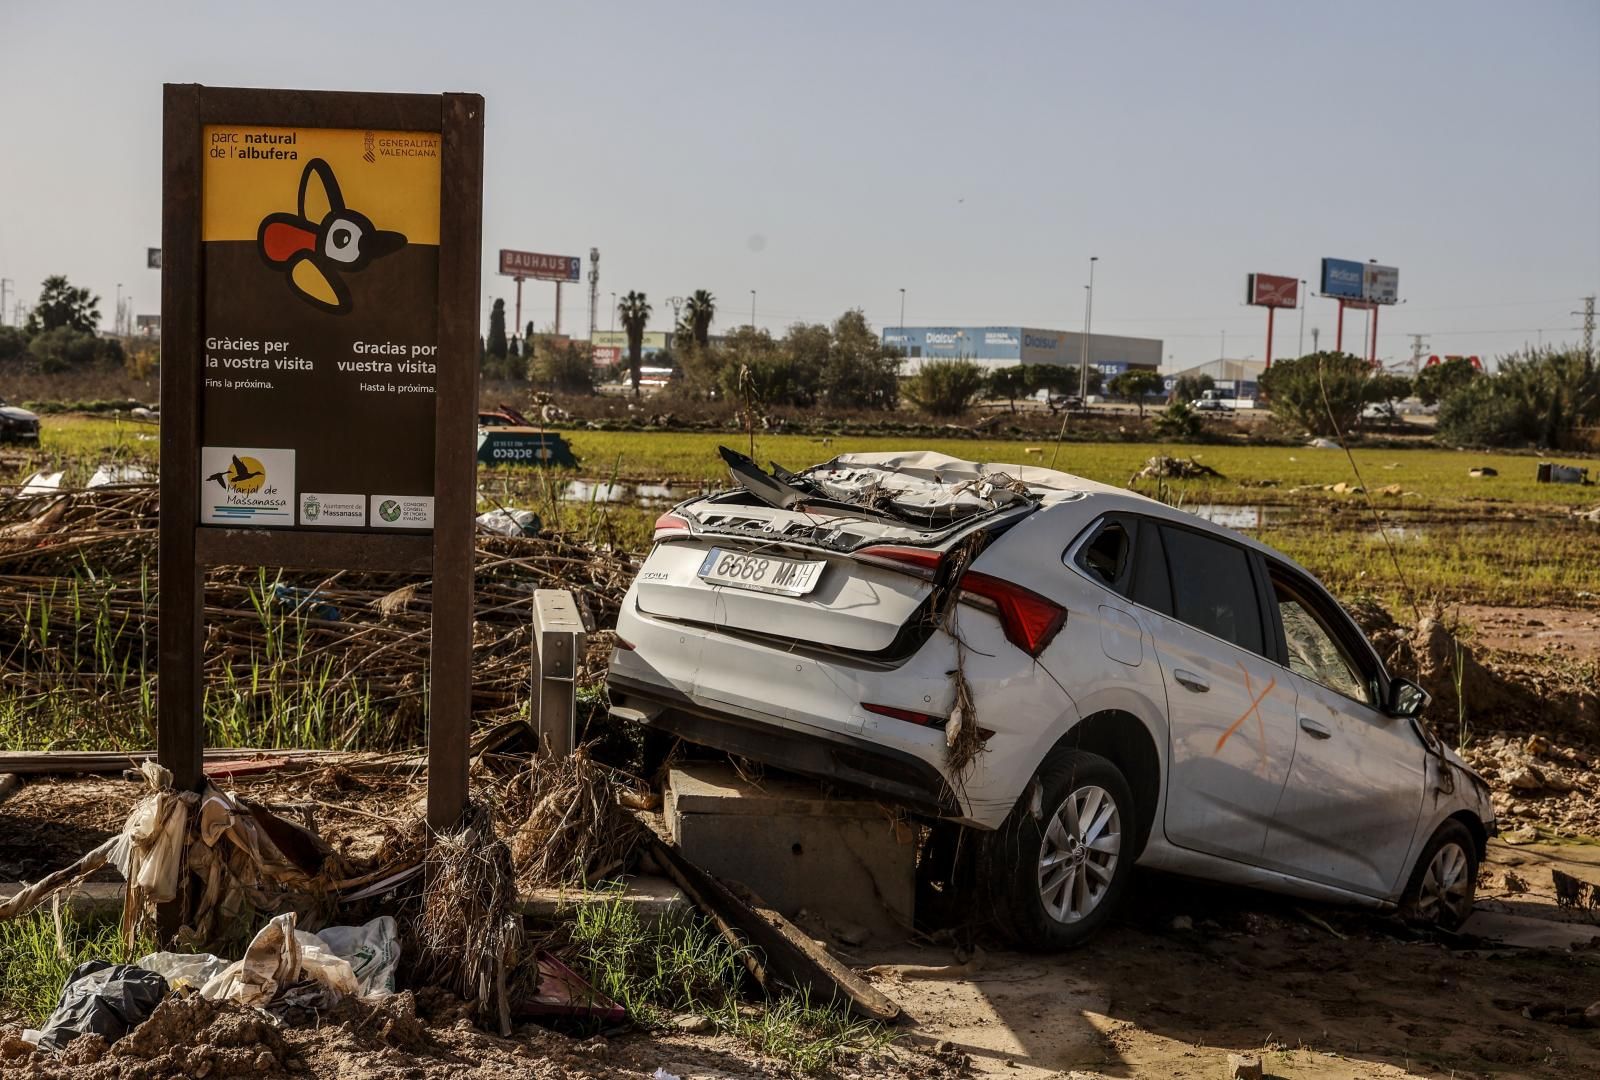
[[1060, 863], [1444, 882]]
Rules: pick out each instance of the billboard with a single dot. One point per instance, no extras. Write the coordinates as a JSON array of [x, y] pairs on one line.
[[149, 325], [320, 326], [607, 355], [1346, 279], [650, 341], [152, 258], [532, 264], [1272, 290], [1343, 279], [1380, 284]]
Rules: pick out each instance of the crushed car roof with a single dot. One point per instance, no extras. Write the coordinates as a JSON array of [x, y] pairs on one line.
[[943, 470]]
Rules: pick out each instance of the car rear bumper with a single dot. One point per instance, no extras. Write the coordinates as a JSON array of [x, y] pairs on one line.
[[836, 757]]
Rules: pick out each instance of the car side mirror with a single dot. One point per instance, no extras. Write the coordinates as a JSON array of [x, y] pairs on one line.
[[1406, 698]]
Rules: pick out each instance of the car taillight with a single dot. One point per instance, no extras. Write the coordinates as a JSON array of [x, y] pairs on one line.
[[670, 525], [910, 560], [1029, 620], [910, 716]]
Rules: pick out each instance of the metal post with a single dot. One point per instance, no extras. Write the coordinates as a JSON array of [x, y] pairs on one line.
[[752, 310], [902, 314], [1083, 348], [518, 323], [1338, 338], [558, 309], [1372, 354], [559, 640], [1300, 347], [1270, 312]]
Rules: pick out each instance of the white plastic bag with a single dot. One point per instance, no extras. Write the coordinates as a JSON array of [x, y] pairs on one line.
[[184, 969], [278, 956], [372, 951]]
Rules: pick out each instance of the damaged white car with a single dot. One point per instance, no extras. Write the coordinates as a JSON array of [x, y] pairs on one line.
[[1088, 677]]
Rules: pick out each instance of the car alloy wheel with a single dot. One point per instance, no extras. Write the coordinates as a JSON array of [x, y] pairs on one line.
[[1446, 892], [1078, 855]]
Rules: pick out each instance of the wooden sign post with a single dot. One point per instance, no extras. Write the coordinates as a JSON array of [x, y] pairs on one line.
[[319, 370]]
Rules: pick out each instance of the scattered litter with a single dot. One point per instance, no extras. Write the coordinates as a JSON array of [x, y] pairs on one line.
[[1481, 471], [184, 970], [1320, 443], [662, 1074], [1552, 473], [1172, 468], [42, 483], [307, 602], [102, 999], [278, 957], [106, 475], [505, 522]]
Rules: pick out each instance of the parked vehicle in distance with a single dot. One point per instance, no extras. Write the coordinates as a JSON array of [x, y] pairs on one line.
[[1145, 686], [18, 425], [1211, 401]]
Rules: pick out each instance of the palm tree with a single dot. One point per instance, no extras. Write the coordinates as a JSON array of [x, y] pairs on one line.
[[701, 309], [634, 310]]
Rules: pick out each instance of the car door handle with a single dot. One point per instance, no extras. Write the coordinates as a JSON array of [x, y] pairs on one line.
[[1191, 681], [1314, 729]]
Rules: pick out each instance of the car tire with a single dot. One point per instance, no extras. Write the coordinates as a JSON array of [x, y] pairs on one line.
[[1052, 886], [1444, 881]]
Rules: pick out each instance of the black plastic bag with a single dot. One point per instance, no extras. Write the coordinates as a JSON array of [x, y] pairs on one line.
[[102, 999]]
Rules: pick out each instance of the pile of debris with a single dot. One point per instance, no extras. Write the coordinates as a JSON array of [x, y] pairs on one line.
[[1162, 467], [78, 615], [1537, 782]]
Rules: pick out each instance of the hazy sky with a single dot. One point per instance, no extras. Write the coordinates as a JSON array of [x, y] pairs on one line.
[[829, 154]]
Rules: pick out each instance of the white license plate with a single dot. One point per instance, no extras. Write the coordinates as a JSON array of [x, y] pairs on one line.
[[762, 573]]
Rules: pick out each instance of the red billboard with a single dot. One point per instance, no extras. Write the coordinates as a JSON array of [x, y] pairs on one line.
[[532, 264], [1272, 290], [607, 355]]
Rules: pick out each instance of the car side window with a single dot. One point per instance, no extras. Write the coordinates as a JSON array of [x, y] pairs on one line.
[[1314, 649], [1212, 587], [1152, 588], [1107, 554]]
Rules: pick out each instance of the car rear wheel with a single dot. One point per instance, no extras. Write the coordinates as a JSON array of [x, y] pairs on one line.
[[1060, 863], [1444, 882]]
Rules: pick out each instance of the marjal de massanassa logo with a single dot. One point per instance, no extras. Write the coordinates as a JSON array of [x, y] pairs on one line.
[[323, 241], [245, 475]]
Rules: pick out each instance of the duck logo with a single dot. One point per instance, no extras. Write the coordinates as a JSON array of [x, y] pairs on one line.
[[323, 241], [245, 475]]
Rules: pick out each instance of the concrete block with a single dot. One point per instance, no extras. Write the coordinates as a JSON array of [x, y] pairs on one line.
[[840, 858]]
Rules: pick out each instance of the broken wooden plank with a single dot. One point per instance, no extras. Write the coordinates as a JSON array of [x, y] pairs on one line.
[[789, 954], [102, 762]]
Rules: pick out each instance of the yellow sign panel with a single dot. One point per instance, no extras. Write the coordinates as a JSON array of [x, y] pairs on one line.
[[390, 178]]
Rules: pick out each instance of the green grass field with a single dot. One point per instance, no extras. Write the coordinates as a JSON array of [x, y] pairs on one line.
[[1501, 539]]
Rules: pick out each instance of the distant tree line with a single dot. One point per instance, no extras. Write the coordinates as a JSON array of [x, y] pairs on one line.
[[61, 332]]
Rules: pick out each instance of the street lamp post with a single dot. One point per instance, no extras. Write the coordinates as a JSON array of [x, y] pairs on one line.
[[1083, 348], [902, 313], [752, 311], [613, 313]]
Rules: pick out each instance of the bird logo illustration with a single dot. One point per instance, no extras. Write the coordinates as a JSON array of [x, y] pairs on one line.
[[246, 474], [322, 242]]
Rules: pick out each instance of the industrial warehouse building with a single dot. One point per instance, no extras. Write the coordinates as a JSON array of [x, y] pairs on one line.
[[1238, 380], [1005, 346]]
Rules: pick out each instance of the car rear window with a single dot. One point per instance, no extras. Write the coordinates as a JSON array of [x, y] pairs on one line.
[[1212, 588]]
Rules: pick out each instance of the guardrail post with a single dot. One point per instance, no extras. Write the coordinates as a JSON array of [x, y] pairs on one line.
[[559, 640]]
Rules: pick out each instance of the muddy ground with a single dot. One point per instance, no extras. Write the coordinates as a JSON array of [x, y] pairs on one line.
[[1188, 973]]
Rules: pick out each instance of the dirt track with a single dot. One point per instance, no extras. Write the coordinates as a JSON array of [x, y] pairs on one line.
[[1256, 974]]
